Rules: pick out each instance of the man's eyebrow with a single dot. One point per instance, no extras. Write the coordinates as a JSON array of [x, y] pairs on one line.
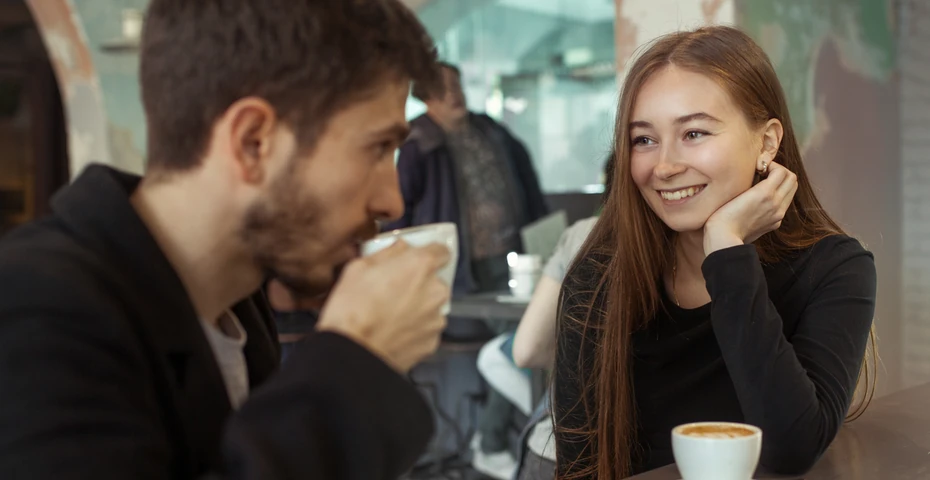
[[397, 131]]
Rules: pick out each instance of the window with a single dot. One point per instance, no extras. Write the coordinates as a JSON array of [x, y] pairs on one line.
[[544, 68]]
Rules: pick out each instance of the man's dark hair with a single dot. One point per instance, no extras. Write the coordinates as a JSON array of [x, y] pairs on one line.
[[424, 91], [307, 58]]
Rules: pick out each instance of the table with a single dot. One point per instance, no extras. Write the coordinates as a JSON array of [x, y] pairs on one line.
[[890, 442], [488, 306]]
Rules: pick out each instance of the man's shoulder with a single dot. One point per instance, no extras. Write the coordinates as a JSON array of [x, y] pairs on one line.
[[425, 134], [484, 121], [52, 283], [43, 263], [43, 242]]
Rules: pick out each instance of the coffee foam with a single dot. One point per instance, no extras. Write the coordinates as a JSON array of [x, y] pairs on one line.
[[717, 431]]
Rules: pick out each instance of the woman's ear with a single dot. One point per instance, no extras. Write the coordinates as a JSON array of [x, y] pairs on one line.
[[772, 134]]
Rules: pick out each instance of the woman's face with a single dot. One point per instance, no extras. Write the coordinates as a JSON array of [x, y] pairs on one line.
[[692, 148]]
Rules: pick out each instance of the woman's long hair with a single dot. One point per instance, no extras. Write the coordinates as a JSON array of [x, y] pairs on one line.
[[630, 247]]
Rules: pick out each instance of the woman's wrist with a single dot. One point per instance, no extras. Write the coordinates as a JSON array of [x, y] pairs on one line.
[[716, 239]]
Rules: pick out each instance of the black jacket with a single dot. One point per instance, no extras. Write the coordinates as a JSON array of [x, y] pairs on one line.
[[105, 372]]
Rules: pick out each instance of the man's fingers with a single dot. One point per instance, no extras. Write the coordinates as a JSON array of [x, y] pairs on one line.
[[436, 256]]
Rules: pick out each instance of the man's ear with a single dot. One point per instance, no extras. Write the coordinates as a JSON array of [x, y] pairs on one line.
[[252, 124]]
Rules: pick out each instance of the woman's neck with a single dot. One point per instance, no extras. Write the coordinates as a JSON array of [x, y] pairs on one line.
[[689, 252], [686, 280]]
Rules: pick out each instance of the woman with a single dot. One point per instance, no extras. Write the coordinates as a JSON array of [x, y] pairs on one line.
[[714, 286]]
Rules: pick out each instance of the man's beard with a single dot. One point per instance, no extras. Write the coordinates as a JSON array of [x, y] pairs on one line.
[[277, 227]]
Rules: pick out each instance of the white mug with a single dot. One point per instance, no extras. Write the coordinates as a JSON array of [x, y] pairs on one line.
[[132, 23], [441, 233], [705, 451], [525, 271]]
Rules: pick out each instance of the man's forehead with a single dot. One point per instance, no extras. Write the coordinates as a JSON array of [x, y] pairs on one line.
[[380, 110]]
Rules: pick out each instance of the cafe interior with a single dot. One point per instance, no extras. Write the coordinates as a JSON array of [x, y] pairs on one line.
[[856, 74]]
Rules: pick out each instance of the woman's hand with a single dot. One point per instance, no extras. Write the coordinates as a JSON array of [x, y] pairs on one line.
[[753, 213]]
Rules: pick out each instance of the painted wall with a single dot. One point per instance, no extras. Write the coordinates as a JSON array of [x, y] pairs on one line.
[[837, 62], [913, 38], [641, 21], [66, 43], [101, 93], [119, 80]]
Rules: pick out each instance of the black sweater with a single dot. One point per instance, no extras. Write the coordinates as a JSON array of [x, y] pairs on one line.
[[779, 346]]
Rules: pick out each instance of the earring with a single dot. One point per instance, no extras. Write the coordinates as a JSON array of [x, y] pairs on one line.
[[765, 168]]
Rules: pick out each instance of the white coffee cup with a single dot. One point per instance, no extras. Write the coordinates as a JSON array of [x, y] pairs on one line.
[[716, 450], [132, 23], [441, 233], [525, 271]]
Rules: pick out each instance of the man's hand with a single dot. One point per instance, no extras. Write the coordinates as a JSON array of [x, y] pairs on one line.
[[390, 303]]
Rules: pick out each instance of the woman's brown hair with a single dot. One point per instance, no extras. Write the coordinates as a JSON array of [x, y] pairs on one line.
[[625, 256]]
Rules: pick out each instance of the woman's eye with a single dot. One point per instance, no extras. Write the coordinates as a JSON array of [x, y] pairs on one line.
[[694, 134], [638, 141]]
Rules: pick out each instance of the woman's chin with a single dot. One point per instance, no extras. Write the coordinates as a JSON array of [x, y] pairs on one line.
[[684, 226]]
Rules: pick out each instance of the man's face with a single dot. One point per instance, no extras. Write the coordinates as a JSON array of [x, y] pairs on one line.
[[451, 105], [311, 217]]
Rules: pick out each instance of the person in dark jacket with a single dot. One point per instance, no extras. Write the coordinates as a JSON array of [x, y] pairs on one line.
[[134, 340], [465, 168]]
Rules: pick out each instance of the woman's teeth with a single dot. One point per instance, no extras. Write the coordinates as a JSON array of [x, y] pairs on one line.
[[679, 194]]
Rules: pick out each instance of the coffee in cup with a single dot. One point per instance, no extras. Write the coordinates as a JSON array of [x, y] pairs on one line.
[[441, 233], [716, 450], [717, 430]]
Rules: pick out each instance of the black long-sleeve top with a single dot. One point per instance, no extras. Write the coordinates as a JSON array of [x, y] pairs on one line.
[[779, 346]]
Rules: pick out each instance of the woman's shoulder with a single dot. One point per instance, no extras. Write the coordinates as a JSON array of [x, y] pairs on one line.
[[831, 253], [838, 249], [568, 247], [582, 227], [573, 238]]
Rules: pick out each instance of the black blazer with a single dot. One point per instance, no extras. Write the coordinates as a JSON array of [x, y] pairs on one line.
[[105, 372]]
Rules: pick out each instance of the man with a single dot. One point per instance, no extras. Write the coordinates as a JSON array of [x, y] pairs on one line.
[[133, 344], [466, 168]]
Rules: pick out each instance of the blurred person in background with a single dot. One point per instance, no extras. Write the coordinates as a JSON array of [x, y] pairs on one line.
[[134, 339], [465, 168]]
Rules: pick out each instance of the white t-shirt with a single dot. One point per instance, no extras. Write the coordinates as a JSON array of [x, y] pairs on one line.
[[569, 244], [227, 339]]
